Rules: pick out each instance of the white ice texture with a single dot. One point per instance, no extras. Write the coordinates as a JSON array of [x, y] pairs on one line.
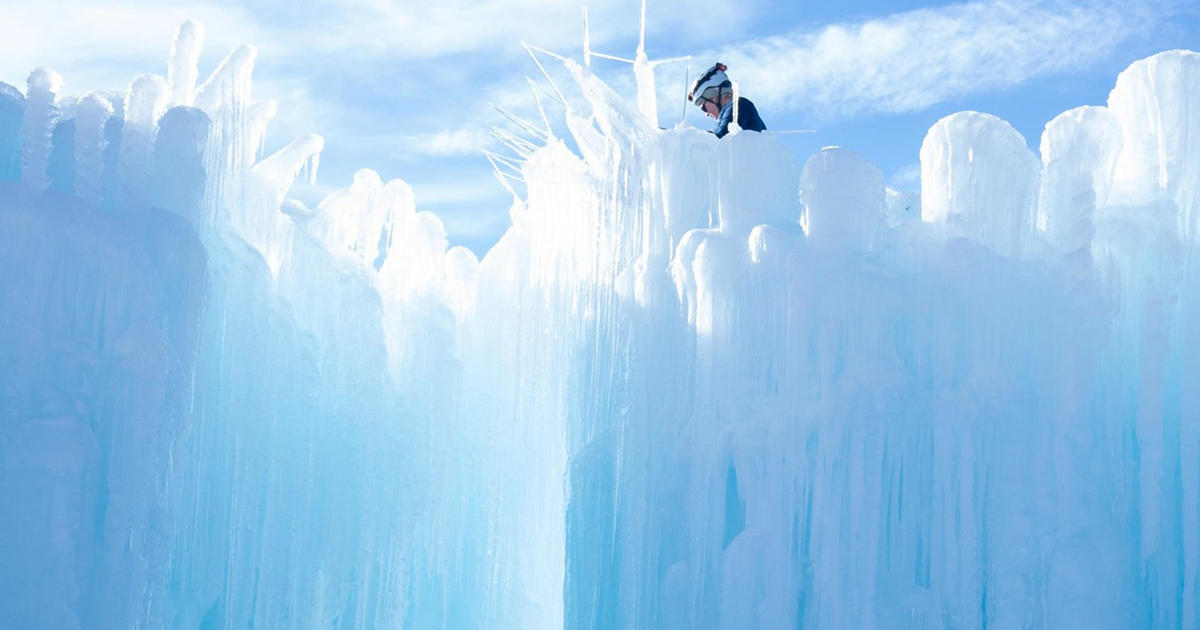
[[695, 385]]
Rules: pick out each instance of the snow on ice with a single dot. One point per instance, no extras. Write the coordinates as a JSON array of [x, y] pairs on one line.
[[697, 384]]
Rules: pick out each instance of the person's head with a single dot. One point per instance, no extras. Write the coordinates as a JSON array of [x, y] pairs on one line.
[[712, 90]]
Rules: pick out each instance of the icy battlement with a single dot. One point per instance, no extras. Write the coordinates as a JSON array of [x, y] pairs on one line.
[[697, 384]]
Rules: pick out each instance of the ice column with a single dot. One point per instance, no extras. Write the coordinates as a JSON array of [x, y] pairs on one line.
[[844, 194], [91, 117], [1079, 151], [37, 125], [182, 70], [757, 183], [179, 178], [1160, 134], [145, 103], [979, 177]]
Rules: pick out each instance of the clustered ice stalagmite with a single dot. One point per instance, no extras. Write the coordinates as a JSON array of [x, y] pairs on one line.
[[695, 385]]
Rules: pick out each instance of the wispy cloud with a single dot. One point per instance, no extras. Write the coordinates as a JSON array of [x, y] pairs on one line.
[[909, 61], [93, 46], [463, 141], [426, 30], [907, 177], [405, 88]]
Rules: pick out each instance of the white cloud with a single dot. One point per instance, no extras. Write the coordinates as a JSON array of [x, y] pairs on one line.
[[91, 45], [909, 61], [463, 141], [385, 80], [425, 30]]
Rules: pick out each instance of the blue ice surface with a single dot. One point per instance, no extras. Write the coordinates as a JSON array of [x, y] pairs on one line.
[[675, 395]]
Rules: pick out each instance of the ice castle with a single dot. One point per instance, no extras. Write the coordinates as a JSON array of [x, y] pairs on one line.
[[697, 384]]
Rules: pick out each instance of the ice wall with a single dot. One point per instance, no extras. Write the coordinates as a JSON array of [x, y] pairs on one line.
[[697, 384]]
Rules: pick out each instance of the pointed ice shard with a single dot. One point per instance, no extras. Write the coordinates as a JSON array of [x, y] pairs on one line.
[[258, 117], [280, 170], [229, 84]]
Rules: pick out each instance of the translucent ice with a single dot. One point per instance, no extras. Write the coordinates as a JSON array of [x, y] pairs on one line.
[[698, 383], [37, 125]]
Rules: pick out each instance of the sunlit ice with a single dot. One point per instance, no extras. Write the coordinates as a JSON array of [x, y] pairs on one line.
[[696, 382]]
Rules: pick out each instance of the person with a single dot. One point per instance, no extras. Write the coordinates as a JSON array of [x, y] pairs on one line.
[[712, 92]]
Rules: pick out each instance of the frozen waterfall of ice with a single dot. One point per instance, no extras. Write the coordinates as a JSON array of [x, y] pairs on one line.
[[697, 384]]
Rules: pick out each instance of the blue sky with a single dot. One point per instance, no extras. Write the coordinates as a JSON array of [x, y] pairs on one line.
[[404, 87]]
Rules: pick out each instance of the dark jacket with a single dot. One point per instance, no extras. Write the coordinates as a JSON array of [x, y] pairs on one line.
[[747, 118]]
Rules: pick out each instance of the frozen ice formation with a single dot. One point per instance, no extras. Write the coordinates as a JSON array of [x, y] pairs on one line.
[[697, 384]]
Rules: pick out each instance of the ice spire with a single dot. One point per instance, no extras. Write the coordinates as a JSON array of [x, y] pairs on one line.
[[145, 103], [44, 85], [643, 67], [587, 40], [642, 33], [182, 70]]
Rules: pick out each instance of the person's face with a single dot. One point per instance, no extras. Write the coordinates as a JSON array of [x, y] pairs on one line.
[[711, 109]]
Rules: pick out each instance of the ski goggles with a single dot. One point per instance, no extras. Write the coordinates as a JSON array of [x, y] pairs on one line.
[[708, 95]]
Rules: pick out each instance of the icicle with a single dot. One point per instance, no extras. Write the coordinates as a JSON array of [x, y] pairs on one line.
[[258, 118], [641, 49], [530, 51], [229, 85], [587, 40], [647, 94], [298, 159], [512, 163], [687, 76], [501, 176], [612, 57], [533, 87], [734, 127], [521, 122], [516, 143]]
